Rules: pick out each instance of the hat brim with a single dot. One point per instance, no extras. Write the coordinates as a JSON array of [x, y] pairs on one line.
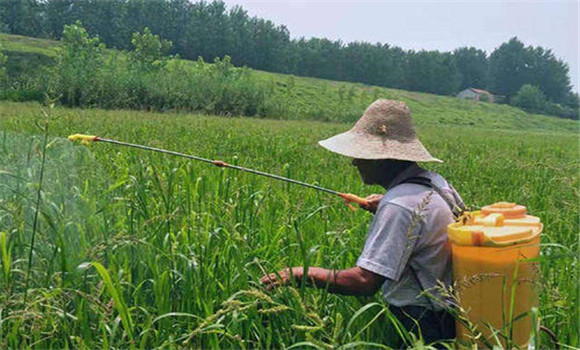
[[363, 146]]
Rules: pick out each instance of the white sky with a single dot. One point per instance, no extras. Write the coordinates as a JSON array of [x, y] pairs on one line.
[[432, 25]]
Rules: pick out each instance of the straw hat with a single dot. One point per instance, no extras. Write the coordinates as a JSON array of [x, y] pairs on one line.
[[385, 131]]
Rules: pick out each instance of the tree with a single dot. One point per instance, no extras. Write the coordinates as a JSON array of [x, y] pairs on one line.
[[472, 65], [378, 64], [79, 62], [149, 52], [508, 67], [104, 18], [548, 73], [59, 13], [318, 58], [512, 65], [207, 31], [22, 17], [432, 71]]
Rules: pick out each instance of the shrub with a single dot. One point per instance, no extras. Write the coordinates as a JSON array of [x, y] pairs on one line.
[[529, 98], [561, 111], [484, 98], [2, 66]]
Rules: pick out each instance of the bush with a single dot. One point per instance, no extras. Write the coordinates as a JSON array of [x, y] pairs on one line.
[[21, 95], [529, 98], [561, 111], [484, 98], [2, 65]]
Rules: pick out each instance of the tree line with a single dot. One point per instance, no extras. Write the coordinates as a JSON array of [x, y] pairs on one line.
[[531, 77]]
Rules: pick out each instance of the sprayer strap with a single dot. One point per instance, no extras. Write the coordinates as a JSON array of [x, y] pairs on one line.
[[456, 205], [457, 209]]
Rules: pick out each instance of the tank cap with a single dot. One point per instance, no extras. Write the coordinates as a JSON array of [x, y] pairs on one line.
[[507, 209], [503, 205]]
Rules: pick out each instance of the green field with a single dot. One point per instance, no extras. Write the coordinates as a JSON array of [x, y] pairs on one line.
[[182, 244]]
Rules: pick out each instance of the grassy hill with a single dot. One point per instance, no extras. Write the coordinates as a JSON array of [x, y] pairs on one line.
[[324, 100]]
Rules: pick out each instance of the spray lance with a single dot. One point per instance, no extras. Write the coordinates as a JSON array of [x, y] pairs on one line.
[[348, 198]]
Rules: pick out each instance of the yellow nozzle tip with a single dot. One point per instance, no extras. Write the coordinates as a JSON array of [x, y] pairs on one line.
[[84, 139]]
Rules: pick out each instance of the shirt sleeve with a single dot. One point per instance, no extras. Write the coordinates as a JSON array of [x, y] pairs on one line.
[[391, 239]]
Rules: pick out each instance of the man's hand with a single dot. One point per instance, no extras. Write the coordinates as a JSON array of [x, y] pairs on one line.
[[272, 280], [372, 202], [353, 281]]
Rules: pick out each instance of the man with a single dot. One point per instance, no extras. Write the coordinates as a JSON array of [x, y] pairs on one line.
[[406, 250]]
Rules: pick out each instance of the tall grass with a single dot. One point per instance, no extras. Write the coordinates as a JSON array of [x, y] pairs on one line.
[[145, 250]]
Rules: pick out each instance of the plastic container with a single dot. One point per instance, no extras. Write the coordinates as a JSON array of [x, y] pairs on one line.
[[496, 270]]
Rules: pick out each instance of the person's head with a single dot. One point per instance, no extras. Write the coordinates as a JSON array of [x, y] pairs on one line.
[[382, 143], [380, 171]]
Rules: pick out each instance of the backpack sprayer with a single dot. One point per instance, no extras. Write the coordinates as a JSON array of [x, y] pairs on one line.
[[348, 197]]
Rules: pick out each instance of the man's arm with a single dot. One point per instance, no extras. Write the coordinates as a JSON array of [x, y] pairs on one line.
[[353, 281]]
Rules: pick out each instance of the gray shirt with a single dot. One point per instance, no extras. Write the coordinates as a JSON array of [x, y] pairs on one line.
[[407, 240]]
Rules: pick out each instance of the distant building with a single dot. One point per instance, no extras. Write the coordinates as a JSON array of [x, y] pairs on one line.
[[476, 94]]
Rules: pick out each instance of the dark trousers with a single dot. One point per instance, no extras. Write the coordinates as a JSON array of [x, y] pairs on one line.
[[434, 325]]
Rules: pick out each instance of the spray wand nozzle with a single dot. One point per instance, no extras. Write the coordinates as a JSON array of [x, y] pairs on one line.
[[83, 139]]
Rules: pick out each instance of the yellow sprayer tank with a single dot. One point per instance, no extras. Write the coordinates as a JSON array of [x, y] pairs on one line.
[[491, 249]]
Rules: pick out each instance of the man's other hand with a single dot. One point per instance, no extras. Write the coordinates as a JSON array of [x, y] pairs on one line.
[[353, 281], [282, 278], [372, 202]]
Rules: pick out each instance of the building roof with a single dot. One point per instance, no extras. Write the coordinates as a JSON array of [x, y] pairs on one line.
[[480, 91]]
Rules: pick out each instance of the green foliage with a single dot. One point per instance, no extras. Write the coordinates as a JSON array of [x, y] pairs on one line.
[[484, 98], [79, 61], [267, 94], [3, 60], [208, 29], [561, 111], [181, 244], [530, 98], [149, 52], [86, 75], [572, 105], [22, 17], [78, 43], [220, 88], [431, 71], [512, 65], [472, 65]]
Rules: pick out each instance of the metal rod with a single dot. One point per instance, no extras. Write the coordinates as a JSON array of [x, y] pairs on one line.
[[218, 163], [348, 197]]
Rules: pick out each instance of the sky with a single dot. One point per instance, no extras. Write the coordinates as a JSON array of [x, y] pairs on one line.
[[432, 25]]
